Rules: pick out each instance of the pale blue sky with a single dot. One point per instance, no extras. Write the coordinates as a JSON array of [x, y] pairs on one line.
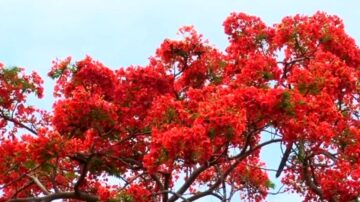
[[120, 33]]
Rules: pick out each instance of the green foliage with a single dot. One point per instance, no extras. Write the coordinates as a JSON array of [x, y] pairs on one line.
[[267, 75], [46, 167], [57, 73], [170, 115], [312, 88], [12, 77], [214, 76], [164, 156], [29, 164], [270, 184], [122, 197], [286, 104], [212, 133]]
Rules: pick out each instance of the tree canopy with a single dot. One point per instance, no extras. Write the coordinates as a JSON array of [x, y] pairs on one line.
[[192, 123]]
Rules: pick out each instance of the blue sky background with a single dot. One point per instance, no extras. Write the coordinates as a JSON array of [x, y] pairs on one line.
[[120, 33]]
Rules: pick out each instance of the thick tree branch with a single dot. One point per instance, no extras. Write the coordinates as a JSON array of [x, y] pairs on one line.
[[173, 193], [217, 196], [61, 195], [84, 170], [284, 159], [167, 178]]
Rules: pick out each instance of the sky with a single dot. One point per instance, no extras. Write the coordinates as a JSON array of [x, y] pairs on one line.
[[120, 33]]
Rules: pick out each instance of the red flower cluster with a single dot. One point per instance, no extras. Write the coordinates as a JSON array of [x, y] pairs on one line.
[[192, 123]]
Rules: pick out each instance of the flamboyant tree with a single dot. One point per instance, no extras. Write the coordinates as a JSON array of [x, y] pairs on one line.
[[192, 123]]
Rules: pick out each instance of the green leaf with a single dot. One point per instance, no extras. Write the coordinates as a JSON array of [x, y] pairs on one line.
[[57, 73], [29, 164], [268, 75], [285, 103], [164, 156], [46, 167], [260, 37], [70, 175], [222, 64], [211, 133], [170, 115], [326, 38], [270, 184], [10, 72], [123, 197]]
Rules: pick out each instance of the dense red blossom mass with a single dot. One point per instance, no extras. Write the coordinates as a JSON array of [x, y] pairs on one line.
[[192, 123]]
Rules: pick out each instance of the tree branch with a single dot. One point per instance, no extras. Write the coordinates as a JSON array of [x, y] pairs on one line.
[[310, 181], [16, 122], [238, 159], [22, 188], [189, 182], [84, 170], [173, 193], [39, 184], [60, 195], [19, 178], [284, 159], [166, 186]]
